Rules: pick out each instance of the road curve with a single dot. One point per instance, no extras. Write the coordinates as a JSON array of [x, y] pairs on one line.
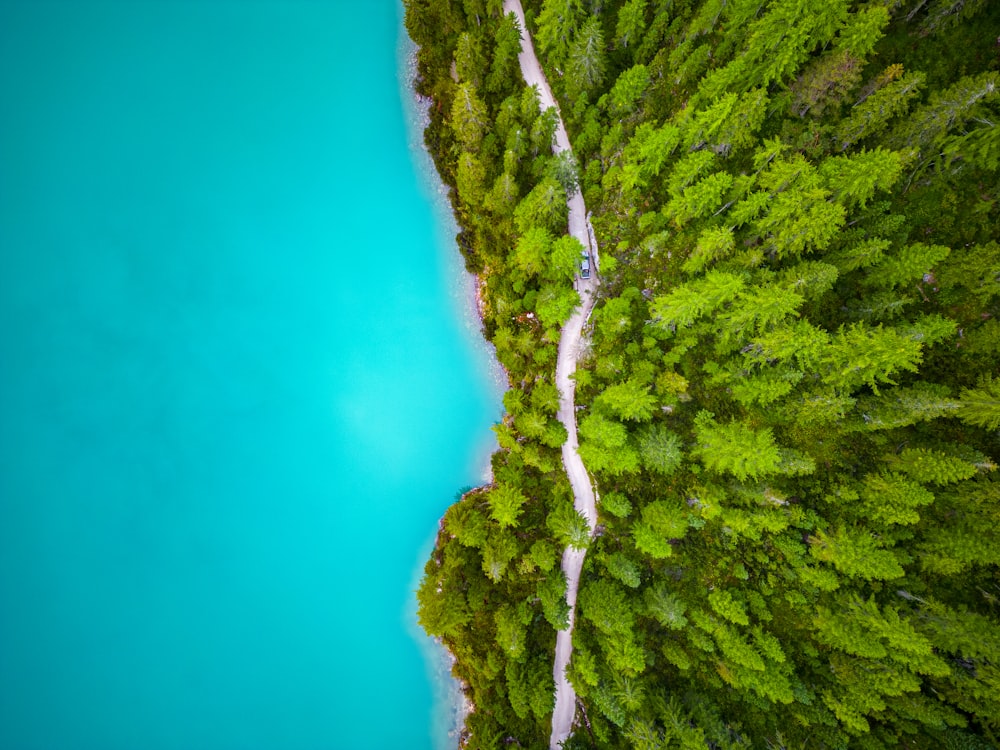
[[569, 350]]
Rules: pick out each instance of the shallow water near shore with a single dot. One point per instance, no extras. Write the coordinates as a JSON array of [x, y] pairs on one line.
[[239, 378]]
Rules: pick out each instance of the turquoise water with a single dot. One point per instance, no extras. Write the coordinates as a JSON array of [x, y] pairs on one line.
[[238, 383]]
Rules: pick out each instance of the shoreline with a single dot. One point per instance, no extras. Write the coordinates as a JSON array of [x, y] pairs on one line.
[[453, 703]]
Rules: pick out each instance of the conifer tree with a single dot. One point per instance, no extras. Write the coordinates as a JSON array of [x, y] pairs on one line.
[[469, 117], [557, 24], [585, 64], [631, 400], [794, 204], [980, 406], [735, 448], [933, 466], [947, 109], [631, 22], [873, 114]]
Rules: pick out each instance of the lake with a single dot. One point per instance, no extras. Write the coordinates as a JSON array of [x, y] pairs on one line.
[[240, 379]]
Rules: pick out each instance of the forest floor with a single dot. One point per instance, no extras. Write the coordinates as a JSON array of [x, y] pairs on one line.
[[570, 344]]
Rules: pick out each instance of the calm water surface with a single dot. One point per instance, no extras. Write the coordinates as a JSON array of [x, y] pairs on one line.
[[238, 385]]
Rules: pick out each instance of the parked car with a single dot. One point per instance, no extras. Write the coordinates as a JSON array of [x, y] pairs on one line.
[[585, 266]]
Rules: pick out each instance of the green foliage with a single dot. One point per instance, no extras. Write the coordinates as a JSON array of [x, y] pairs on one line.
[[735, 448], [661, 522], [980, 406], [862, 355], [854, 179], [727, 607], [557, 24], [795, 205], [629, 89], [872, 115], [631, 400], [863, 30], [728, 124], [665, 607], [511, 631], [585, 65], [947, 109], [909, 264], [660, 450], [856, 553], [889, 498], [616, 504], [605, 445], [933, 467], [469, 117], [625, 570], [604, 603], [631, 22], [544, 207], [506, 504], [555, 304], [690, 301], [552, 595], [568, 526], [801, 217]]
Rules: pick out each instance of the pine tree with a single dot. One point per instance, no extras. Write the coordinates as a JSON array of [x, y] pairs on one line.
[[544, 206], [980, 406], [624, 570], [933, 466], [690, 301], [856, 553], [498, 552], [531, 253], [903, 406], [665, 606], [862, 355], [557, 24], [470, 178], [469, 117], [947, 109], [568, 526], [631, 22], [511, 629], [506, 504], [555, 303], [801, 216], [891, 499], [586, 65], [862, 30], [854, 179], [872, 115], [779, 42], [506, 48], [729, 124], [699, 199], [606, 605], [660, 450], [605, 446], [757, 310], [631, 400], [551, 592], [735, 448], [629, 89], [826, 83], [911, 263], [470, 62], [945, 13], [980, 147]]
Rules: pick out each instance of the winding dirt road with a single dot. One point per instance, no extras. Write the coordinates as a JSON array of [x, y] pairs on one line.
[[569, 350]]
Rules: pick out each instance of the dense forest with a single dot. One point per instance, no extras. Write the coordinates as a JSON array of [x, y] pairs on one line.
[[790, 400]]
